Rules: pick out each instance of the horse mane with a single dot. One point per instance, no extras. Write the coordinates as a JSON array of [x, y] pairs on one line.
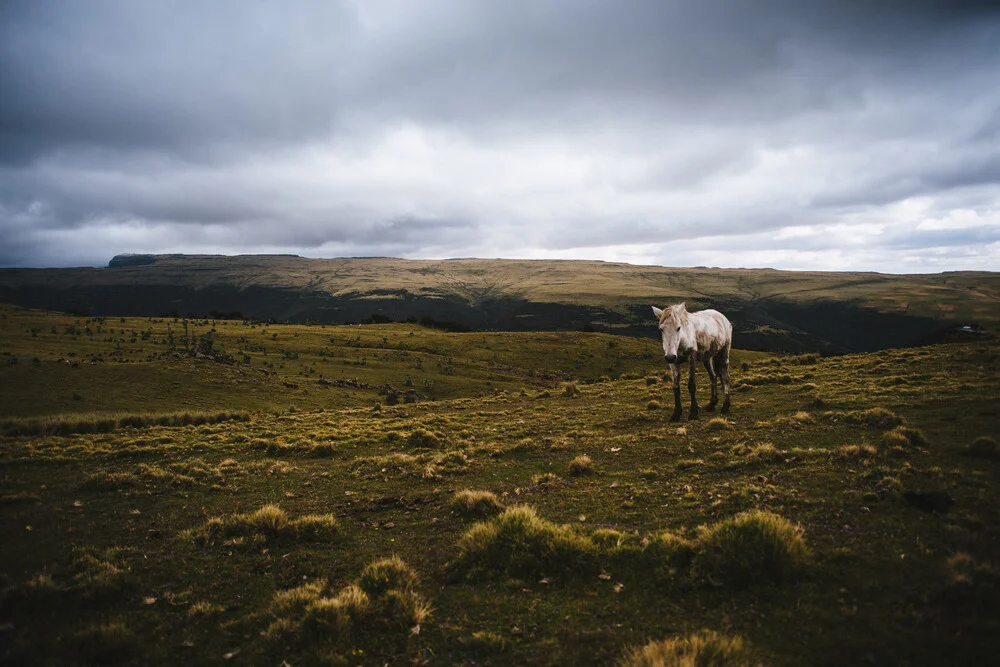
[[668, 311]]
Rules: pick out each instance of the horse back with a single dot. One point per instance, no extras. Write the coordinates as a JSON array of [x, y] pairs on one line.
[[714, 330]]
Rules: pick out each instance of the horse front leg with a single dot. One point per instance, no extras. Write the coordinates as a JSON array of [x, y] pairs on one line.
[[675, 372], [692, 363]]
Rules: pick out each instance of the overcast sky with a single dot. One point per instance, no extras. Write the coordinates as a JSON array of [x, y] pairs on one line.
[[842, 135]]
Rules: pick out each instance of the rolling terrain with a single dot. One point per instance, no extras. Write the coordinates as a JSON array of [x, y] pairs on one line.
[[771, 310], [222, 491]]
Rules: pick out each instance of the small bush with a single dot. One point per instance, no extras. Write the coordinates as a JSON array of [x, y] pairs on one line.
[[654, 405], [750, 547], [520, 543], [701, 649], [571, 390], [581, 465], [468, 503]]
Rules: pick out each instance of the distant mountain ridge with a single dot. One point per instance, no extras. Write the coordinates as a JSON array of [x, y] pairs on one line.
[[770, 309]]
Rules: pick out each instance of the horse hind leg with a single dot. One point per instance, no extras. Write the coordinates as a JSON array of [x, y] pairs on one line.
[[710, 368], [693, 414], [723, 368]]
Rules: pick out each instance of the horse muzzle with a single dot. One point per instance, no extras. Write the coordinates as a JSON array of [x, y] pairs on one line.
[[670, 358]]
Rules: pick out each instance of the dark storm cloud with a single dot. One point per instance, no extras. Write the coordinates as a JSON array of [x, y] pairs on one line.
[[457, 127]]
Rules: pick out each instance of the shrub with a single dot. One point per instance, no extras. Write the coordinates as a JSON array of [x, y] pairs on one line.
[[520, 543], [571, 390], [654, 405], [701, 649], [468, 503], [581, 465], [750, 547]]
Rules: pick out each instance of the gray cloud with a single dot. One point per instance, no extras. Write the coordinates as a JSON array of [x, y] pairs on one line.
[[560, 128]]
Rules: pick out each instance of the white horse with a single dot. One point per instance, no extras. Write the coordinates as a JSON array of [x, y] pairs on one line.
[[705, 335]]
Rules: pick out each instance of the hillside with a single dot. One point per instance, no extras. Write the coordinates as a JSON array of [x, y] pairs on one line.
[[201, 492], [771, 310]]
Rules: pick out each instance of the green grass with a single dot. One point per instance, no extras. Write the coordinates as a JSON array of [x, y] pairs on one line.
[[298, 534]]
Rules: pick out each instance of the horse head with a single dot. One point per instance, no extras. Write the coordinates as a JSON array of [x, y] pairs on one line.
[[677, 335]]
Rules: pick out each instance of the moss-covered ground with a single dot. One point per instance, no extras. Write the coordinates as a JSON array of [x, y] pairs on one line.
[[168, 507]]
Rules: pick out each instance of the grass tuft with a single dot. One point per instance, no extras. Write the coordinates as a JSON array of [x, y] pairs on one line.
[[386, 574], [718, 424], [860, 452], [701, 649], [384, 600], [873, 417], [765, 452], [904, 436], [748, 548], [581, 465], [270, 521], [469, 503], [520, 543], [424, 439]]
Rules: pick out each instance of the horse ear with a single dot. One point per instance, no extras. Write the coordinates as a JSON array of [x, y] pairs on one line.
[[682, 306], [658, 313]]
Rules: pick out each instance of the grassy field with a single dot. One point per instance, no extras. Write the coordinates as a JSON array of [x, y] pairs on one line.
[[177, 495]]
